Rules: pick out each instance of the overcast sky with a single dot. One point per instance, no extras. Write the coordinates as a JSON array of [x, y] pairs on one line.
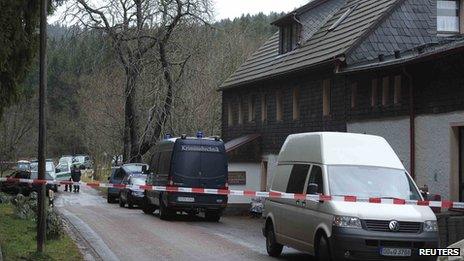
[[235, 8]]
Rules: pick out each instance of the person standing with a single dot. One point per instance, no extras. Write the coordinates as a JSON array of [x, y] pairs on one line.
[[76, 177]]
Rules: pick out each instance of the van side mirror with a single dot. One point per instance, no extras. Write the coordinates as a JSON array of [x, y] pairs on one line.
[[313, 189]]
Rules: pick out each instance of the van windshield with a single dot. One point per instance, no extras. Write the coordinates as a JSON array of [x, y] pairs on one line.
[[371, 182], [200, 164]]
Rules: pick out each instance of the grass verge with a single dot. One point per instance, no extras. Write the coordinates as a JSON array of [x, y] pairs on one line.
[[17, 238]]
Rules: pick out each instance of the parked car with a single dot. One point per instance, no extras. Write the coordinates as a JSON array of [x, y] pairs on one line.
[[192, 163], [82, 160], [68, 159], [63, 171], [50, 173], [132, 195], [342, 164], [16, 187], [117, 176], [23, 165]]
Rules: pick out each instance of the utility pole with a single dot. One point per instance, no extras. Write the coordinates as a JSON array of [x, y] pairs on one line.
[[41, 219]]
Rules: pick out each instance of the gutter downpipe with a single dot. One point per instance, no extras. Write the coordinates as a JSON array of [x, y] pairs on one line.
[[412, 124]]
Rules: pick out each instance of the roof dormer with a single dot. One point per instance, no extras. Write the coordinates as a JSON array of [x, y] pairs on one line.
[[289, 37]]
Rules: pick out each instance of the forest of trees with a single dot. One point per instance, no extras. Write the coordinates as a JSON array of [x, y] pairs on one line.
[[86, 89]]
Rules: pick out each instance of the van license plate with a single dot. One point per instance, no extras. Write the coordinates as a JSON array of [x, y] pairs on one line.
[[185, 199], [395, 252]]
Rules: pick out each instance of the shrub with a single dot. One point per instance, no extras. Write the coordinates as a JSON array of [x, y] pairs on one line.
[[5, 198], [26, 208]]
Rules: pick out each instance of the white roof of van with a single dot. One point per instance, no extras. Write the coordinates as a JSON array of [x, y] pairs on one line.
[[334, 148]]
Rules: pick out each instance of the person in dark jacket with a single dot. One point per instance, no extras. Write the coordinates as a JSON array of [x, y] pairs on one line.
[[76, 177]]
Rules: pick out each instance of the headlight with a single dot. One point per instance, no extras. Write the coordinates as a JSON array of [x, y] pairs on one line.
[[347, 222], [431, 226]]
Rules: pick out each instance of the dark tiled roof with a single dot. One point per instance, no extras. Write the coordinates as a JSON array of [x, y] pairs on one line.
[[323, 46], [417, 54]]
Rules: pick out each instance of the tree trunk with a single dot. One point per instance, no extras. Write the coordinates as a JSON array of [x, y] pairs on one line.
[[131, 146], [166, 112]]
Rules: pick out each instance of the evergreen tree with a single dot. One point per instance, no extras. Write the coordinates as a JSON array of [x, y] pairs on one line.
[[19, 40]]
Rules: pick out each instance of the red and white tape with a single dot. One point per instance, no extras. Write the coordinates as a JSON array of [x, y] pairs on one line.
[[251, 194]]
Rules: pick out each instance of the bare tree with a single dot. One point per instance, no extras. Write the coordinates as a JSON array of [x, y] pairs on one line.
[[142, 32], [17, 136]]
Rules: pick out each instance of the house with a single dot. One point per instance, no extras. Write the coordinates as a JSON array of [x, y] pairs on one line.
[[393, 68]]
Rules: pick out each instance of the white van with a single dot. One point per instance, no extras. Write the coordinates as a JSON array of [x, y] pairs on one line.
[[343, 164]]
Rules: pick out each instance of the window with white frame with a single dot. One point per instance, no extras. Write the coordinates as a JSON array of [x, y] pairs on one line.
[[448, 16]]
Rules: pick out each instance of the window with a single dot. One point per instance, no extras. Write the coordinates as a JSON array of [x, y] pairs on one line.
[[374, 93], [326, 100], [448, 16], [263, 108], [397, 95], [240, 112], [354, 93], [251, 108], [281, 177], [164, 162], [297, 179], [371, 182], [237, 178], [289, 37], [385, 91], [230, 118], [296, 103], [316, 178], [279, 106]]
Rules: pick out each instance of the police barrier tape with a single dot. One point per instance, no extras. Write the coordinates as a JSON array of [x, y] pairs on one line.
[[249, 193]]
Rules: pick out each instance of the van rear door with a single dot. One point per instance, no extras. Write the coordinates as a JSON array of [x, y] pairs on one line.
[[199, 165]]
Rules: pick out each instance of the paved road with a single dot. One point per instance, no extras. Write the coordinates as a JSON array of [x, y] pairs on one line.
[[123, 234]]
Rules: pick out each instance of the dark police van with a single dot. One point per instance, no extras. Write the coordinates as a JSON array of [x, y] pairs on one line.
[[189, 163]]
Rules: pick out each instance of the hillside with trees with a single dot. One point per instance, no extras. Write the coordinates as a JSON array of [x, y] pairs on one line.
[[87, 89]]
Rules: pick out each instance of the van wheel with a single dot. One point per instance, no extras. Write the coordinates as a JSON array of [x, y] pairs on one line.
[[121, 202], [323, 249], [164, 212], [147, 207], [213, 215], [273, 248]]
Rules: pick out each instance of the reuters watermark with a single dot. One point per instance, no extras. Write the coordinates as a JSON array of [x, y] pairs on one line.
[[439, 252]]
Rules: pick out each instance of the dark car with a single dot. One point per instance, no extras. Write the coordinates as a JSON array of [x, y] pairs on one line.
[[117, 176], [13, 186], [132, 195], [190, 163]]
